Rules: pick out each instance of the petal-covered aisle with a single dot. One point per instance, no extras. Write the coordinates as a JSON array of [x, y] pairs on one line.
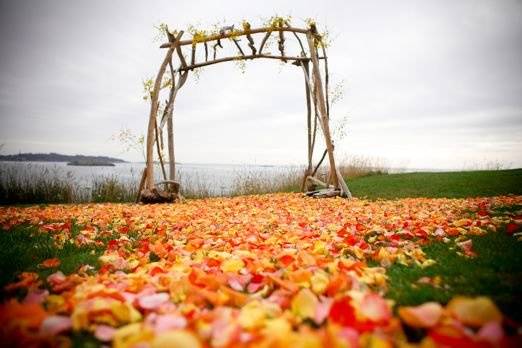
[[273, 270]]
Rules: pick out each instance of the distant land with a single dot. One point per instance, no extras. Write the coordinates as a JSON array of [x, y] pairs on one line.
[[57, 157]]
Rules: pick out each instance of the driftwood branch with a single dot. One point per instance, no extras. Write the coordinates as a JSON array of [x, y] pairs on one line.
[[321, 103], [170, 127], [158, 149], [281, 45], [142, 183], [316, 181], [238, 47], [178, 50], [193, 55], [320, 162], [344, 188], [215, 46], [308, 115], [303, 52], [167, 182], [263, 42], [149, 181], [235, 58], [227, 35], [326, 81], [181, 81], [251, 44], [312, 88]]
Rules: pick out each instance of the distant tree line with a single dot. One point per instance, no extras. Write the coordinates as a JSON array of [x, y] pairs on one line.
[[56, 157]]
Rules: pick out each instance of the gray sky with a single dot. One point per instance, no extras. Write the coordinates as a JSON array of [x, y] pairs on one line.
[[429, 84]]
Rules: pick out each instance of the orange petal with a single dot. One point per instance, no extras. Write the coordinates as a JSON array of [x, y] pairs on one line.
[[28, 315], [51, 263], [424, 316]]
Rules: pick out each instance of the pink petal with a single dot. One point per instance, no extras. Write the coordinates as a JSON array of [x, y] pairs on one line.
[[169, 322], [129, 296], [375, 308], [467, 247], [104, 333], [36, 296], [439, 232], [351, 336], [491, 332], [55, 324], [153, 301], [235, 284], [56, 278], [253, 287], [322, 310]]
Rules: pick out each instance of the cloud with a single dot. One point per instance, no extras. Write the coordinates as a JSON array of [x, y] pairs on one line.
[[433, 83]]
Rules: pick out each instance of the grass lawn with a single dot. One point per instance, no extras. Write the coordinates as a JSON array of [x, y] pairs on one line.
[[433, 185], [24, 248], [140, 244], [496, 271]]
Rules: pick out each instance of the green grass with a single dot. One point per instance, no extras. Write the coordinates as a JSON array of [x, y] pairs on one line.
[[23, 248], [496, 272], [450, 185]]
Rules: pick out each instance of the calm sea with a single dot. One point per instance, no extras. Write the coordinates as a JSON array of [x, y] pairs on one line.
[[218, 179]]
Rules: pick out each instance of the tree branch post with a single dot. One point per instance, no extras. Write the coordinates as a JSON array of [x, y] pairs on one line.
[[321, 103]]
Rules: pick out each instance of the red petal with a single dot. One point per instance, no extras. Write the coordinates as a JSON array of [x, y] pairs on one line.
[[511, 228], [342, 312], [286, 260]]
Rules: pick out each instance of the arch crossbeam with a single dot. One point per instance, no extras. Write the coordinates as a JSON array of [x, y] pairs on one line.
[[317, 101]]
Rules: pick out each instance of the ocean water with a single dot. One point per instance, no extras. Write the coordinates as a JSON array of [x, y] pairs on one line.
[[218, 179]]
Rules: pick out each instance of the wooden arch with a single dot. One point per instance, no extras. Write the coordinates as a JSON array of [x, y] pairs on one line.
[[317, 101]]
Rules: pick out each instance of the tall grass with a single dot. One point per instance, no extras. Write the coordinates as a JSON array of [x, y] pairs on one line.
[[255, 182], [195, 186], [357, 166], [44, 185], [111, 189]]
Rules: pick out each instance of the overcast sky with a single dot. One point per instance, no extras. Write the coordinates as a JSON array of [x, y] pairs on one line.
[[427, 84]]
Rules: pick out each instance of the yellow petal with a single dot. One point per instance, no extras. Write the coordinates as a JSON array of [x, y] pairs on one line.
[[278, 327], [319, 282], [130, 335], [177, 339], [233, 265], [474, 312], [319, 247], [304, 304], [252, 315], [124, 312]]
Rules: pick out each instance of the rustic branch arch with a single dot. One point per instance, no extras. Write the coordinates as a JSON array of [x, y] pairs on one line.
[[318, 108]]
